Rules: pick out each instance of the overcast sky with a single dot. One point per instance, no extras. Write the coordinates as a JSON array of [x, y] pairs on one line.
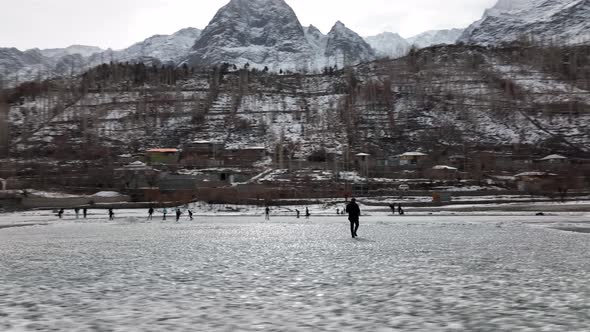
[[119, 23]]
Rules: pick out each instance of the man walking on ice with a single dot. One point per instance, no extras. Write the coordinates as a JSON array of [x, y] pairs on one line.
[[354, 213]]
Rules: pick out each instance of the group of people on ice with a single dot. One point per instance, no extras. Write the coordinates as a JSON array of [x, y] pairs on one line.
[[111, 213], [60, 213], [352, 209], [297, 213], [400, 210], [178, 213]]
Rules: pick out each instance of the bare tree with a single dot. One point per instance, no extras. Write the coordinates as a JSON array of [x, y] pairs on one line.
[[4, 129]]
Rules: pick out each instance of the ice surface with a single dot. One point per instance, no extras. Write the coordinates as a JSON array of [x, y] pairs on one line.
[[245, 274]]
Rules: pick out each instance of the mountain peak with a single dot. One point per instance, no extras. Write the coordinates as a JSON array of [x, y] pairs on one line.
[[313, 29], [263, 33], [345, 47], [339, 26], [246, 6]]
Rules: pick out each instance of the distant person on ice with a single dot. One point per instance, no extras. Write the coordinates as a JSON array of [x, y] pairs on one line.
[[354, 213], [400, 210], [190, 214], [307, 214], [392, 207], [267, 213], [178, 214], [111, 214], [164, 212], [85, 212], [60, 213], [150, 213], [77, 211], [298, 213]]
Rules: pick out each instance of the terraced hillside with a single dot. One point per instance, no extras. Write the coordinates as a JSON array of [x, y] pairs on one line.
[[444, 97]]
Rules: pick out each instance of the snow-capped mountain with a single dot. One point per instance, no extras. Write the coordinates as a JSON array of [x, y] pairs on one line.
[[388, 44], [258, 32], [18, 66], [165, 48], [267, 33], [547, 21], [345, 47], [435, 37], [82, 50]]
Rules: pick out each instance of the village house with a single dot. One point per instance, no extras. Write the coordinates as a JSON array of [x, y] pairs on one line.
[[362, 163], [125, 158], [458, 161], [137, 175], [443, 172], [554, 159], [203, 154], [244, 157], [536, 181], [166, 156], [412, 158], [491, 162]]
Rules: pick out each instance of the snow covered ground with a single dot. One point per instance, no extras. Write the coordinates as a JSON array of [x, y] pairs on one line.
[[222, 273]]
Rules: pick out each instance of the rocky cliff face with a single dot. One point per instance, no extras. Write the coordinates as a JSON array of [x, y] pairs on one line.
[[546, 21]]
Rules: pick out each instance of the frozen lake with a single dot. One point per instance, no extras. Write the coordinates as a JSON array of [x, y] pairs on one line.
[[455, 273]]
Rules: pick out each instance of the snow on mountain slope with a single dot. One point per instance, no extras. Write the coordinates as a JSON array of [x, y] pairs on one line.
[[165, 48], [17, 66], [388, 44], [258, 32], [547, 21], [82, 50], [315, 38], [345, 47], [435, 37], [318, 42]]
